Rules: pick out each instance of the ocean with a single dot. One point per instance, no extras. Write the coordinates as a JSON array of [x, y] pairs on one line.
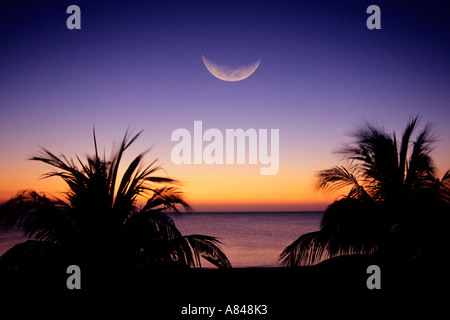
[[249, 239]]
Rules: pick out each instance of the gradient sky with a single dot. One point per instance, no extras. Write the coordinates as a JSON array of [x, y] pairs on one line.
[[139, 66]]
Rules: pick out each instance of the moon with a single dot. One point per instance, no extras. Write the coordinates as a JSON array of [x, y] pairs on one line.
[[226, 73]]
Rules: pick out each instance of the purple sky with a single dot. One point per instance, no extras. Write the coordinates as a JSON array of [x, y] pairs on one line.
[[140, 66]]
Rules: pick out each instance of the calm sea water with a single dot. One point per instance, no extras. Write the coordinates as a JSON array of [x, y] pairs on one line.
[[249, 239]]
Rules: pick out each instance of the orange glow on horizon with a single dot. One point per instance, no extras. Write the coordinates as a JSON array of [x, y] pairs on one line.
[[205, 187], [233, 188]]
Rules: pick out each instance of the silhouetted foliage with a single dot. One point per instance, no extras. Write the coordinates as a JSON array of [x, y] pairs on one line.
[[395, 207], [99, 220]]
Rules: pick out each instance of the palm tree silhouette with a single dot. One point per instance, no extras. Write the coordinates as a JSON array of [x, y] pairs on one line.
[[393, 204], [99, 220]]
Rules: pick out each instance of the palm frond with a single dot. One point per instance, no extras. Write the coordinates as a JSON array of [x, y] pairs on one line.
[[308, 249], [99, 216], [421, 167], [443, 188], [127, 180], [167, 198], [390, 185], [336, 178], [208, 248], [403, 162], [38, 217], [340, 177], [115, 162]]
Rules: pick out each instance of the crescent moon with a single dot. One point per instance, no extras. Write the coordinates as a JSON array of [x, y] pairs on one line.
[[226, 73]]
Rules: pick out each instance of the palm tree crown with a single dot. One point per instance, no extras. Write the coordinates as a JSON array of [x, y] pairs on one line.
[[393, 194], [99, 219]]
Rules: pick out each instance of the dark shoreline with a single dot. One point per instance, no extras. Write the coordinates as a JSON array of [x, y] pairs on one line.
[[335, 284]]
